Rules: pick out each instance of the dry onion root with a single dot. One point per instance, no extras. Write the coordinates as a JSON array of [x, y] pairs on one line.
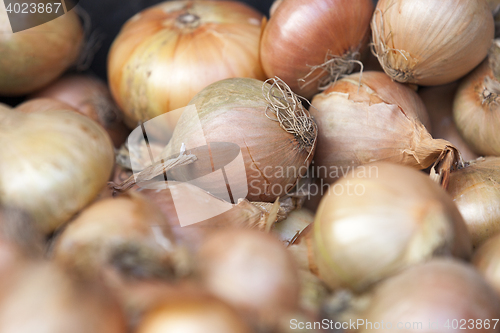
[[476, 193], [380, 220], [431, 42], [323, 43], [192, 44], [370, 118], [438, 296], [476, 105], [238, 125], [54, 163]]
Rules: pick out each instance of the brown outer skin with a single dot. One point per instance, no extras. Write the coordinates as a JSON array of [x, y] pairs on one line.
[[148, 67], [476, 193], [300, 33], [477, 122], [33, 58], [439, 103], [439, 290]]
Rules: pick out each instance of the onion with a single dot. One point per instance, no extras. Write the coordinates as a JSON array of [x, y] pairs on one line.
[[250, 270], [475, 108], [382, 218], [126, 232], [91, 97], [486, 260], [476, 193], [431, 42], [438, 296], [238, 125], [194, 315], [495, 9], [439, 104], [379, 120], [290, 229], [167, 53], [311, 43], [42, 297], [42, 105], [55, 45], [54, 163]]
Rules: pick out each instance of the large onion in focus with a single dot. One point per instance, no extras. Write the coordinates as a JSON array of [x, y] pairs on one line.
[[54, 163], [32, 58], [476, 193], [166, 54], [438, 296], [431, 42], [380, 219], [311, 43]]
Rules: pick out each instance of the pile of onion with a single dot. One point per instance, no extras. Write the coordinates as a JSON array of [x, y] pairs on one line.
[[382, 218], [476, 193], [372, 118], [54, 163], [252, 137], [439, 104], [34, 57], [311, 43], [91, 97], [438, 296], [166, 54], [475, 108], [431, 42]]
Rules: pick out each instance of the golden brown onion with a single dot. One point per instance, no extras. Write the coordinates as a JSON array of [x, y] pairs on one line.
[[91, 97], [311, 43], [438, 296], [34, 57], [380, 219], [476, 193], [380, 120], [54, 163], [167, 53], [431, 42]]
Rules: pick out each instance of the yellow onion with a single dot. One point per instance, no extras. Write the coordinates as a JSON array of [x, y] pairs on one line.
[[487, 261], [250, 270], [126, 232], [475, 109], [380, 219], [379, 120], [42, 297], [193, 314], [311, 43], [91, 97], [475, 191], [54, 163], [439, 104], [256, 133], [438, 296], [42, 105], [34, 57], [431, 42], [167, 53]]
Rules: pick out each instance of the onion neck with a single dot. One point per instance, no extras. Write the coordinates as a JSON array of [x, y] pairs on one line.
[[187, 21]]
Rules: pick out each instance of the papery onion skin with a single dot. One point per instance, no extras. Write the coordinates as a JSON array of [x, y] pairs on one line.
[[250, 270], [234, 111], [476, 193], [54, 163], [432, 295], [91, 97], [439, 104], [487, 261], [476, 111], [381, 120], [33, 58], [386, 218], [431, 42], [194, 315], [301, 33], [156, 65]]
